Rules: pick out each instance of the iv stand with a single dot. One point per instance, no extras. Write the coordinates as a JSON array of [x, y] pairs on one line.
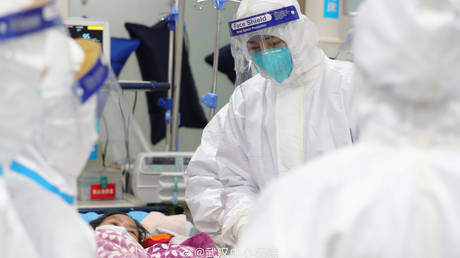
[[219, 4], [210, 99], [168, 104], [179, 39]]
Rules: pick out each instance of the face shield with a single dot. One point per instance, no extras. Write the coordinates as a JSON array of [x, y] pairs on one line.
[[120, 137], [95, 80], [92, 87], [259, 44], [23, 70]]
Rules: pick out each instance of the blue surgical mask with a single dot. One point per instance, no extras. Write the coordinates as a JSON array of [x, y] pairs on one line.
[[277, 62], [113, 228]]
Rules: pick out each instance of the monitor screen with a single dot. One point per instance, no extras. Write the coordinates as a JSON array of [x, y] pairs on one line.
[[87, 32], [96, 30]]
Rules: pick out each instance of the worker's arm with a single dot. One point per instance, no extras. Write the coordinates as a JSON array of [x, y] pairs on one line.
[[203, 191], [235, 172], [347, 87]]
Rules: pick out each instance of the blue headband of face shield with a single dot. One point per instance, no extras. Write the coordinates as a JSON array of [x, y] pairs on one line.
[[29, 21], [263, 20]]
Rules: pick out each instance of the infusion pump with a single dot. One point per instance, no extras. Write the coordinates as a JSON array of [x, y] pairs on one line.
[[158, 177]]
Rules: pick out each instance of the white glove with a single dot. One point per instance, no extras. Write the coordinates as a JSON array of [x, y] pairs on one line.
[[238, 227], [220, 220]]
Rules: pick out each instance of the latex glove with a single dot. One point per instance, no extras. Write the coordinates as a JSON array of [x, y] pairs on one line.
[[238, 227], [220, 220]]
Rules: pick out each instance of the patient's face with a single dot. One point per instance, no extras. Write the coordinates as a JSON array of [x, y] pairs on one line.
[[125, 221]]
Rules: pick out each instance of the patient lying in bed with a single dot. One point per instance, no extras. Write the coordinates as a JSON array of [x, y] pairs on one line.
[[118, 235], [121, 222]]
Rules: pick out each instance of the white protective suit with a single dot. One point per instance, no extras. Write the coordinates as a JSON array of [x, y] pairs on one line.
[[394, 194], [49, 165], [22, 70], [273, 127], [204, 189]]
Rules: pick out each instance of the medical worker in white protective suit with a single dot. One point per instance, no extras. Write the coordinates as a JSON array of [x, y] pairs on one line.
[[23, 69], [395, 194], [294, 110], [203, 189], [42, 178]]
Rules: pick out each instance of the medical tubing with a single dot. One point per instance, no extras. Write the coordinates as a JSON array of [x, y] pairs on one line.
[[135, 102], [175, 189], [141, 137], [177, 72], [106, 144], [126, 123]]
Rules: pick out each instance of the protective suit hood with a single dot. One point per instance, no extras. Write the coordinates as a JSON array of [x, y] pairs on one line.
[[50, 163], [300, 36], [19, 57], [415, 96], [396, 191]]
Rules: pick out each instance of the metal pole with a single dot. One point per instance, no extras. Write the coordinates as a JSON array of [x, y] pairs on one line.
[[177, 73], [215, 62], [172, 29], [170, 80]]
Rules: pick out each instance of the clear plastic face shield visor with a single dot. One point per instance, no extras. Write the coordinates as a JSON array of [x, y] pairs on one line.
[[95, 80], [115, 123], [24, 69], [67, 131], [257, 49], [95, 86]]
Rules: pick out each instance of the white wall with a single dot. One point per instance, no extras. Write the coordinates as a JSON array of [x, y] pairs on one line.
[[200, 24], [63, 7], [332, 32], [351, 6]]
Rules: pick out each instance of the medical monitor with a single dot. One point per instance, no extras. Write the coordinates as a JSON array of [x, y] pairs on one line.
[[96, 30]]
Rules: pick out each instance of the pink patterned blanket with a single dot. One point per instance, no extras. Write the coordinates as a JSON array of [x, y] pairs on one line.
[[113, 244]]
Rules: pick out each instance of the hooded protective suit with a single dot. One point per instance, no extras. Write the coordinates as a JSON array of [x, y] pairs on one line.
[[204, 202], [50, 163], [22, 70], [395, 193], [275, 124]]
